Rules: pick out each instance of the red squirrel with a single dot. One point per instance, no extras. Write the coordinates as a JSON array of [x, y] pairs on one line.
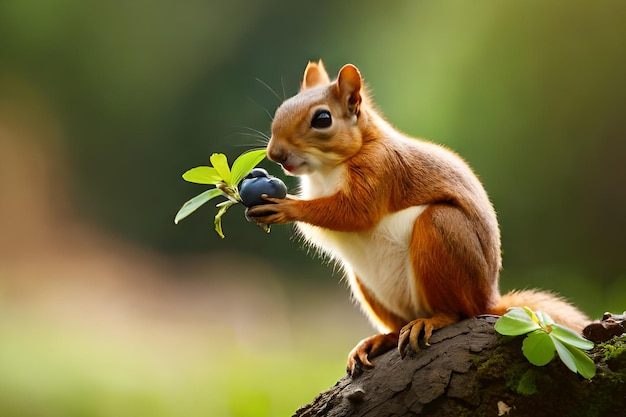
[[407, 219]]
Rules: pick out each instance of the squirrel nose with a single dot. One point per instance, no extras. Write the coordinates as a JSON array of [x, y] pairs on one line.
[[276, 153]]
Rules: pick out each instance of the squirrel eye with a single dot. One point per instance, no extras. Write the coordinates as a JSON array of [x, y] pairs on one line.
[[321, 119]]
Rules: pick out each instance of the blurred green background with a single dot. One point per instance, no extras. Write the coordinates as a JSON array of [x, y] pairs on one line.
[[109, 309]]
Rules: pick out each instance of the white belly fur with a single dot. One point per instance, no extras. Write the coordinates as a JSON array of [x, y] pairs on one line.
[[379, 257]]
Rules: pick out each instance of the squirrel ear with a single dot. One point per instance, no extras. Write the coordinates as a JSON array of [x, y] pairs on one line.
[[315, 74], [349, 88]]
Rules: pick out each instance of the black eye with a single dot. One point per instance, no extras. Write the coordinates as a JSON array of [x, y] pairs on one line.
[[321, 119]]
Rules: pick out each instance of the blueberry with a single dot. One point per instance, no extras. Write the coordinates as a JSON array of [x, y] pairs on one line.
[[256, 173], [251, 190]]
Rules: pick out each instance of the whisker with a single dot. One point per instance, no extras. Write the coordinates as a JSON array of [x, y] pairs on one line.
[[270, 88], [258, 132], [246, 145], [282, 83], [264, 109], [261, 139]]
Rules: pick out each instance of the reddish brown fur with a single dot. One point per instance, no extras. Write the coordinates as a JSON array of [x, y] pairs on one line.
[[449, 264], [455, 244]]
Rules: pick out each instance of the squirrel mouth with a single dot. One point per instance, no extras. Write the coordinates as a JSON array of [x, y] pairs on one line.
[[288, 169], [293, 169]]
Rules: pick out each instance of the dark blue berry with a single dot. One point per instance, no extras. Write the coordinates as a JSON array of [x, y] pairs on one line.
[[256, 173], [252, 189]]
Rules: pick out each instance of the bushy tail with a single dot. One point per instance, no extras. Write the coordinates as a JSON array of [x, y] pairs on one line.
[[558, 308]]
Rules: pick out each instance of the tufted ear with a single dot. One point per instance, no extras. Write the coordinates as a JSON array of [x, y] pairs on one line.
[[315, 74], [349, 85]]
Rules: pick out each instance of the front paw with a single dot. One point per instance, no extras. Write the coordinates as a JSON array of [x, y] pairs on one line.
[[275, 212]]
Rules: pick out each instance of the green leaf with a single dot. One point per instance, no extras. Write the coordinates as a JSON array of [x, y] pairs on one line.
[[218, 217], [245, 162], [220, 163], [193, 204], [547, 337], [570, 337], [585, 365], [575, 359], [544, 319], [202, 175], [516, 321], [538, 348], [531, 314]]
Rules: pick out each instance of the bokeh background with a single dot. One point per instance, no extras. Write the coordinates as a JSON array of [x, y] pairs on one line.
[[109, 309]]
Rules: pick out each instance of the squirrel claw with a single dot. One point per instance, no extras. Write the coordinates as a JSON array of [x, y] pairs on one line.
[[367, 349], [410, 333]]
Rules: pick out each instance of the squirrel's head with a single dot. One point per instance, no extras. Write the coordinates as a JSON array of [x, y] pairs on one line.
[[318, 128]]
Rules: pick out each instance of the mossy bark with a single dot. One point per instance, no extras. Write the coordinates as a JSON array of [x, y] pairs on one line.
[[470, 370]]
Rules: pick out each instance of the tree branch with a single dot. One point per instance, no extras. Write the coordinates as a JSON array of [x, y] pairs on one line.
[[471, 370]]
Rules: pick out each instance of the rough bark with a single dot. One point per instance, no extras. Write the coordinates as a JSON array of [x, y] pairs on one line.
[[469, 370]]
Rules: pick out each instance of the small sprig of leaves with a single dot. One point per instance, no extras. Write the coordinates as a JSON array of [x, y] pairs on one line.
[[545, 337], [224, 179]]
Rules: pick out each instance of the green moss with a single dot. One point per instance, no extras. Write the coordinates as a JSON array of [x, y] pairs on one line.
[[499, 375], [613, 353], [507, 376], [504, 375], [527, 384], [506, 365]]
